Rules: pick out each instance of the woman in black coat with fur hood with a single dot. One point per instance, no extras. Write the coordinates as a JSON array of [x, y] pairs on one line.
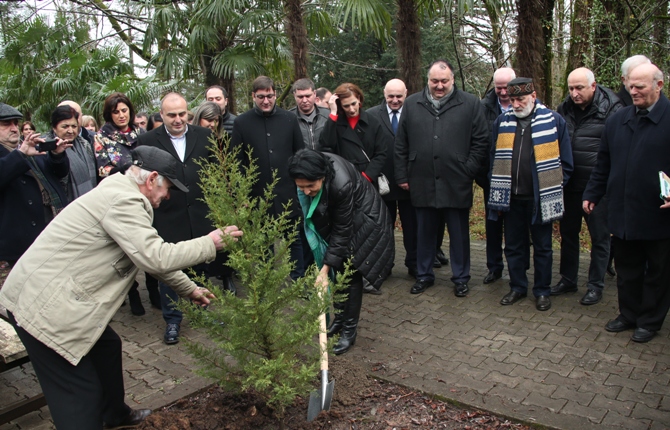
[[344, 217]]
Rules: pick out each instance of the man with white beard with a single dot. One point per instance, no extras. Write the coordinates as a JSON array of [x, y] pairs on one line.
[[531, 163]]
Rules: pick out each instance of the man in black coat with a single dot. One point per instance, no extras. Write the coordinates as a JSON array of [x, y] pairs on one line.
[[585, 110], [398, 200], [184, 215], [635, 147], [440, 146], [495, 102], [274, 136], [219, 95]]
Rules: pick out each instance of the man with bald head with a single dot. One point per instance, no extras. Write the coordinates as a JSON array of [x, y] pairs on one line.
[[635, 147], [183, 216], [495, 102], [398, 200], [585, 110]]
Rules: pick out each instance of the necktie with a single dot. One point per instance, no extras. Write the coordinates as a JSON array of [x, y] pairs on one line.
[[643, 112], [394, 121]]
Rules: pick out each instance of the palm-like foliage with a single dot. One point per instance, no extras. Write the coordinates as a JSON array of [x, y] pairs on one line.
[[44, 64]]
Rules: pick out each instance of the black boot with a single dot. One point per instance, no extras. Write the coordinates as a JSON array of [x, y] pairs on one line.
[[336, 326], [135, 302], [351, 314]]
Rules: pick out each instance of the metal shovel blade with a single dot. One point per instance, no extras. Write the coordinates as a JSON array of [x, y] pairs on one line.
[[320, 401]]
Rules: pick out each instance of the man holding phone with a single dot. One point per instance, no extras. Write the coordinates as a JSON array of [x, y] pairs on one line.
[[31, 191]]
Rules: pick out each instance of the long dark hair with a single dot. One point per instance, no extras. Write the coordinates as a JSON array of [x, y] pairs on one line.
[[311, 165], [111, 102]]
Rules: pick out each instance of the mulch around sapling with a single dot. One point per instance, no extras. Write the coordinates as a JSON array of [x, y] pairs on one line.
[[359, 402]]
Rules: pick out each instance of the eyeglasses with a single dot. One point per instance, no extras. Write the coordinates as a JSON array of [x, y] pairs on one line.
[[260, 97]]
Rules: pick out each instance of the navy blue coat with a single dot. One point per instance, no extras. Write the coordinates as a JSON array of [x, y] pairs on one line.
[[631, 155], [565, 153], [22, 214]]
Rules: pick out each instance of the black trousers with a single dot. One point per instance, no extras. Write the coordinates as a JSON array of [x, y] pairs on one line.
[[82, 396], [429, 221], [643, 270], [571, 225], [408, 220]]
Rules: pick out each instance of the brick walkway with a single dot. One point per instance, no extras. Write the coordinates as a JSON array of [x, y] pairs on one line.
[[557, 368]]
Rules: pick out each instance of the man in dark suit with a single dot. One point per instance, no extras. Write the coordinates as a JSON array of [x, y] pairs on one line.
[[274, 136], [635, 147], [398, 200], [441, 144], [495, 102], [184, 215]]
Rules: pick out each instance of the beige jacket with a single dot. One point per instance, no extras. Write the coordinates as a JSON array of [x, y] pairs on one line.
[[69, 284]]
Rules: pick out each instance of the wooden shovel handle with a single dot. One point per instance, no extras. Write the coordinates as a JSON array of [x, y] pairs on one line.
[[323, 342]]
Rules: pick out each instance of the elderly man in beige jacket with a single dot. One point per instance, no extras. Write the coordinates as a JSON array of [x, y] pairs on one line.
[[66, 288]]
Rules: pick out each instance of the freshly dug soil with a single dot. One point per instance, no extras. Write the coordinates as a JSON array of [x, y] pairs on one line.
[[359, 402]]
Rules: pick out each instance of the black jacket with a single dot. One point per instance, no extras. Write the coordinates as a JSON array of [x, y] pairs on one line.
[[273, 139], [491, 112], [624, 96], [354, 220], [339, 138], [491, 107], [184, 215], [227, 121], [381, 113], [312, 134], [22, 213], [632, 152], [439, 152], [585, 136]]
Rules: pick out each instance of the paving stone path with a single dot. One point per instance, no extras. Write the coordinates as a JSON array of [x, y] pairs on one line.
[[557, 368]]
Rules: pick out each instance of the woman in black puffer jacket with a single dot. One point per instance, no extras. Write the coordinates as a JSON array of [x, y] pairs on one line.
[[346, 215]]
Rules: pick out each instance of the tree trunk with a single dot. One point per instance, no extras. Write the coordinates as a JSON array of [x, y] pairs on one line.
[[497, 49], [297, 34], [610, 47], [227, 82], [409, 45], [533, 43], [659, 54], [578, 53]]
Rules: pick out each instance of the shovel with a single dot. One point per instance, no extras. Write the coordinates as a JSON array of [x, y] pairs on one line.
[[320, 401]]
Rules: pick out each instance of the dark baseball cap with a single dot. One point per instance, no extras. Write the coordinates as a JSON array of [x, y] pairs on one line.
[[156, 160]]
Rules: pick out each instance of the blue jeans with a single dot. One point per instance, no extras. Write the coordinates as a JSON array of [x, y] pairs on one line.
[[517, 248], [172, 315]]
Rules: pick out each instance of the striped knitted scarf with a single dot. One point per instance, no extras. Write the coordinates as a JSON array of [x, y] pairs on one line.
[[547, 162]]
